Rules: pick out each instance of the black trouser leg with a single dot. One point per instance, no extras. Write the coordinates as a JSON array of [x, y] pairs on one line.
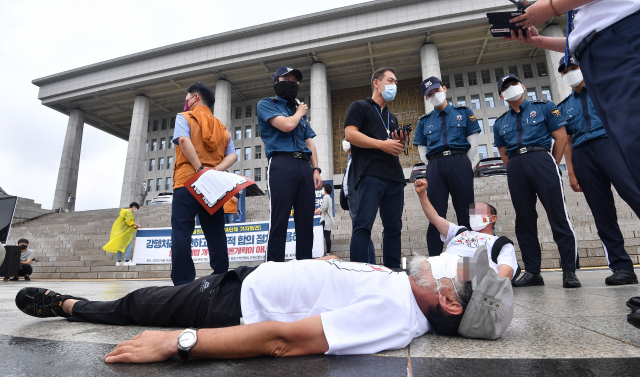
[[212, 301], [327, 240], [460, 183], [592, 176], [615, 57], [438, 194], [391, 208], [547, 180], [213, 229], [25, 270], [524, 201], [303, 207]]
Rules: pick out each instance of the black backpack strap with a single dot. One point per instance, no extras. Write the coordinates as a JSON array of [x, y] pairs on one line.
[[497, 247], [461, 230], [495, 251]]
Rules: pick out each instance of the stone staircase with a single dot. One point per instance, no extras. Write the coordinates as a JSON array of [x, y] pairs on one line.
[[69, 245]]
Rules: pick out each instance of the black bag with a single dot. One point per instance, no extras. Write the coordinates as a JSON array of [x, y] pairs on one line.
[[344, 201]]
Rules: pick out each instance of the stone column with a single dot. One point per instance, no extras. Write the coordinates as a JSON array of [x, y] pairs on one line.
[[222, 106], [559, 90], [320, 120], [430, 67], [134, 167], [70, 161]]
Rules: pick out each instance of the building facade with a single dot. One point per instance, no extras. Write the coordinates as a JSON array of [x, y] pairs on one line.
[[137, 97]]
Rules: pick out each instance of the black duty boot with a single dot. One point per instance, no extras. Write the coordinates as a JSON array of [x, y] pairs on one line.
[[621, 277], [528, 280], [634, 303], [634, 318], [570, 280]]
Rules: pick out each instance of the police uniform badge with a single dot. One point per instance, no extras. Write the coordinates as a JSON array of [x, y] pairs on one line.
[[459, 117], [472, 117], [555, 112], [532, 114]]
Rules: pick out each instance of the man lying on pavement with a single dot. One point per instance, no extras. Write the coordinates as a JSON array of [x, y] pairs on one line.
[[296, 308], [464, 242]]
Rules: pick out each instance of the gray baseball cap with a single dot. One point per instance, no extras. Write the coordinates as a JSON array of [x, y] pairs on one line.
[[490, 309]]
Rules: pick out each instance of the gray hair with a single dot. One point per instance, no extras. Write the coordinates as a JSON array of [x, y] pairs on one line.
[[441, 322]]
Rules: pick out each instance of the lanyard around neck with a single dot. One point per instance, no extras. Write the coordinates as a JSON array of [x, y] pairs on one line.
[[386, 126]]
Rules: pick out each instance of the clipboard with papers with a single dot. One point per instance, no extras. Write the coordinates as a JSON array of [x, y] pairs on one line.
[[212, 188]]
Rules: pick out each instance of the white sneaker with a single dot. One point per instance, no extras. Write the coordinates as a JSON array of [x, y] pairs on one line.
[[119, 264], [129, 263]]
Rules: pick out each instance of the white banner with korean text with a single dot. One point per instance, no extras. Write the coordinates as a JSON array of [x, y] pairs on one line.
[[245, 242]]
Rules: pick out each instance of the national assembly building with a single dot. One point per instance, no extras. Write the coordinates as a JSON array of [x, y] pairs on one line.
[[136, 97]]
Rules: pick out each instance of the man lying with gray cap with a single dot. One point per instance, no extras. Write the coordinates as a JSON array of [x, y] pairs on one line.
[[302, 307]]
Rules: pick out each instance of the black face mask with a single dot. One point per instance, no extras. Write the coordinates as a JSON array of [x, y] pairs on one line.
[[288, 91], [23, 247]]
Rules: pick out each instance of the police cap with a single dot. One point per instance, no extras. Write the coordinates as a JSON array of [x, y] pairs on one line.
[[561, 65], [284, 70], [506, 78], [430, 84]]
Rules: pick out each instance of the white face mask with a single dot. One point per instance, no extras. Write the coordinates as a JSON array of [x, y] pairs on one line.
[[573, 78], [346, 145], [444, 266], [513, 93], [478, 222], [436, 99]]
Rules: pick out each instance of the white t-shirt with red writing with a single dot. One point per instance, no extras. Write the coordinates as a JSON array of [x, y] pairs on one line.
[[466, 243], [364, 308]]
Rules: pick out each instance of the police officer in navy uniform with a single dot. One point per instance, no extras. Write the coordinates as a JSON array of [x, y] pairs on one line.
[[293, 172], [523, 136], [448, 138], [594, 164], [603, 37]]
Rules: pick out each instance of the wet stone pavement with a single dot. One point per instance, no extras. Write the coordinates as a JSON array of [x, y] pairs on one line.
[[555, 331]]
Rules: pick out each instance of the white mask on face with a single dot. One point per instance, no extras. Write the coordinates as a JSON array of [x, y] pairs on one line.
[[346, 145], [445, 266], [573, 78], [513, 93], [478, 222], [436, 99]]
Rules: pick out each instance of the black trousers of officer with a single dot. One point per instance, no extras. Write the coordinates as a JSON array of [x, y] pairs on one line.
[[449, 175], [614, 57], [290, 183], [212, 301], [598, 164], [528, 175]]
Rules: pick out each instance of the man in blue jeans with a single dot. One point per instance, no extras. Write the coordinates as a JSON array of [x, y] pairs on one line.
[[201, 141], [376, 144]]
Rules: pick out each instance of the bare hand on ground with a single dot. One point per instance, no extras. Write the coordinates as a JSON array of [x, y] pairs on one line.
[[148, 347]]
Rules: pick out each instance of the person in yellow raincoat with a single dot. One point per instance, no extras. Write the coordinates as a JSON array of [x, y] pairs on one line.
[[122, 235]]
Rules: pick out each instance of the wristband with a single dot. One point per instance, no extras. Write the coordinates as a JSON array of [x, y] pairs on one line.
[[553, 10]]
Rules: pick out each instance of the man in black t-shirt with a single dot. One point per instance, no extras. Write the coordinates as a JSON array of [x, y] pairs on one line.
[[376, 143]]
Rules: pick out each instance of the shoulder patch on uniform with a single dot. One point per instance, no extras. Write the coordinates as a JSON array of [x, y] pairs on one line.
[[556, 112], [472, 117], [460, 107], [563, 101], [503, 114], [541, 101]]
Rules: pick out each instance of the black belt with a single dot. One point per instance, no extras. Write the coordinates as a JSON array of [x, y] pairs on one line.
[[591, 37], [524, 150], [451, 152], [299, 155]]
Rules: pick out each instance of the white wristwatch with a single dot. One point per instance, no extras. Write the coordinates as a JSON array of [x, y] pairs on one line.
[[186, 340]]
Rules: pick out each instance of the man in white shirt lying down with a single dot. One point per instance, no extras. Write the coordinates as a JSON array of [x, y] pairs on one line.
[[301, 307], [464, 242]]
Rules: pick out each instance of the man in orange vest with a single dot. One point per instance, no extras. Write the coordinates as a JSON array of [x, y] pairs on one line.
[[201, 141]]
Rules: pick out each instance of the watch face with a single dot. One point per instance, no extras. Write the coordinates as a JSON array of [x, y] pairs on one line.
[[187, 339]]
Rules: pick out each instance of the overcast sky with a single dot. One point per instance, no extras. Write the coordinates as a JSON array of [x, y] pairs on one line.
[[40, 38]]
